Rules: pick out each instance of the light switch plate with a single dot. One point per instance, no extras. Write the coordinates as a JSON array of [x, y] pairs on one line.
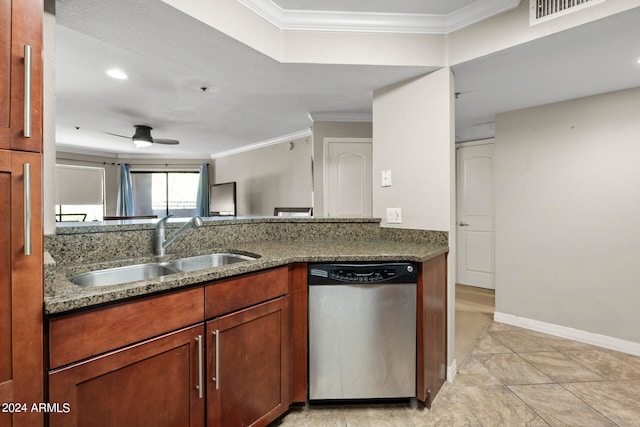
[[386, 178], [394, 215]]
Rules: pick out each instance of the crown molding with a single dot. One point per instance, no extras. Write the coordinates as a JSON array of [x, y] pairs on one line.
[[303, 20], [277, 140], [73, 149], [341, 117]]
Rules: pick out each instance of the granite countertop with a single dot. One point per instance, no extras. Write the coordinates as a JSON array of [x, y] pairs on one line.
[[63, 296]]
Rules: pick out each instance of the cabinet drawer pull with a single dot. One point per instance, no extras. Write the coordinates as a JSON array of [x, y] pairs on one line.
[[216, 334], [27, 208], [200, 386], [27, 91]]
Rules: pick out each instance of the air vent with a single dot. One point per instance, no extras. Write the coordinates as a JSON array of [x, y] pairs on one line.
[[543, 10]]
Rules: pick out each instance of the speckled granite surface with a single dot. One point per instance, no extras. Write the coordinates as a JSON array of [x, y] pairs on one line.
[[273, 241]]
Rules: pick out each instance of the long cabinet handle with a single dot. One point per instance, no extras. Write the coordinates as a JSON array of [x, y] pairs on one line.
[[200, 385], [216, 334], [27, 208], [27, 91]]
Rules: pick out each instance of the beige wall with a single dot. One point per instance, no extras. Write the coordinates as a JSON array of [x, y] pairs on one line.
[[567, 209], [512, 28], [276, 175]]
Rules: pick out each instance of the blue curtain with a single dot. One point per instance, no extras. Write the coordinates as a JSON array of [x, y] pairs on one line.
[[202, 200], [124, 205]]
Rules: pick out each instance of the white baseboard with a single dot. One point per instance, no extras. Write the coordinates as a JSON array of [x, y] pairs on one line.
[[610, 343], [452, 370]]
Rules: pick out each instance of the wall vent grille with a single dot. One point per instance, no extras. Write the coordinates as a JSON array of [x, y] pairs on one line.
[[543, 10]]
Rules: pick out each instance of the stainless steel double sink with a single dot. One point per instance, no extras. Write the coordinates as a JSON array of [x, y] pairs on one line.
[[134, 273]]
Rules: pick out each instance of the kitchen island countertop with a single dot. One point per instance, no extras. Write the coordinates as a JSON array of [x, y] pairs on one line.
[[63, 296]]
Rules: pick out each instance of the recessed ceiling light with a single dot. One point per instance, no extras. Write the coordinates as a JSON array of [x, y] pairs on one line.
[[116, 74]]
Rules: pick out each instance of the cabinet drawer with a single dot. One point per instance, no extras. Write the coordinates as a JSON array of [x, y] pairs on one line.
[[229, 295], [78, 336]]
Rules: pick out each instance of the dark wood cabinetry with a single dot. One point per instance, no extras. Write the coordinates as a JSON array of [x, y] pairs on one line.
[[21, 289], [21, 255], [151, 361], [132, 363], [21, 74], [153, 383], [248, 349], [248, 364], [432, 328], [78, 336]]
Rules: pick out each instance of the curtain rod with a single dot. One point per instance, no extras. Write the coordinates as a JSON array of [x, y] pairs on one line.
[[133, 164]]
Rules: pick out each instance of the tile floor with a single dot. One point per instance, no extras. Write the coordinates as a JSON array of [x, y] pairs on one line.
[[512, 377]]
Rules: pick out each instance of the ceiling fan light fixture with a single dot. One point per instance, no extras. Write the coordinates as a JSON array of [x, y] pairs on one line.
[[142, 137], [141, 143]]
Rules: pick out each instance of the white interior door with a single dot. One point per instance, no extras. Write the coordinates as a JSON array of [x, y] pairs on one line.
[[475, 197], [348, 187]]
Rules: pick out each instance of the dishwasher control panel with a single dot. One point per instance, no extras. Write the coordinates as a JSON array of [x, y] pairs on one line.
[[400, 272]]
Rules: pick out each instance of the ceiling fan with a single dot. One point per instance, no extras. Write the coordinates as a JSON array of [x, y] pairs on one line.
[[142, 137]]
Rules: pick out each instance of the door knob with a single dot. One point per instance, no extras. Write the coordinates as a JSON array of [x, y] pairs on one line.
[[463, 224]]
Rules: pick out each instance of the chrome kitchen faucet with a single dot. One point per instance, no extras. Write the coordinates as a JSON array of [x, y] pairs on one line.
[[161, 243]]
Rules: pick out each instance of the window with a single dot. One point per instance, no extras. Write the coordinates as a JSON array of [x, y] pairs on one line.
[[79, 193], [165, 193]]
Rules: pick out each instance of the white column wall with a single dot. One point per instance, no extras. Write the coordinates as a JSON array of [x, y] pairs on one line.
[[413, 136]]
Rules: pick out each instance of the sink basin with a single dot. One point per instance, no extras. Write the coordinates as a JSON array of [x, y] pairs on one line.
[[113, 276], [206, 261], [133, 273]]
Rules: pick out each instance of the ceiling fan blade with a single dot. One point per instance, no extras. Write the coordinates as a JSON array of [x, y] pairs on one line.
[[166, 141], [115, 134]]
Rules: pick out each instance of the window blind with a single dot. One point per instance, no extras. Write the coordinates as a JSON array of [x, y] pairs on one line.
[[79, 185]]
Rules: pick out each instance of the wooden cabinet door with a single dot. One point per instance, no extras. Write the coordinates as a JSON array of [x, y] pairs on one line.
[[248, 365], [21, 24], [154, 383], [432, 328], [5, 71], [21, 287]]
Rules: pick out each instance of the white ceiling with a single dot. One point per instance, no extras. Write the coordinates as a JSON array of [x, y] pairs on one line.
[[250, 98]]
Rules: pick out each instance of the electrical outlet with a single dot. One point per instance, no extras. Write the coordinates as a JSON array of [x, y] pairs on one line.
[[394, 215], [386, 178]]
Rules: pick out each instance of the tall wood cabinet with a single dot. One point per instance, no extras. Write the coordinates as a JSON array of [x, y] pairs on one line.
[[21, 289], [21, 74], [21, 251]]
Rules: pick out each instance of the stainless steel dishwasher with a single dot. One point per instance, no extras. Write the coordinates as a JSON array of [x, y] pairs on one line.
[[362, 331]]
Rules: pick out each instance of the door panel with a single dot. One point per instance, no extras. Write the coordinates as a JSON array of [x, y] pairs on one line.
[[475, 198], [5, 68], [21, 290], [6, 375], [348, 189], [251, 383], [26, 30]]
